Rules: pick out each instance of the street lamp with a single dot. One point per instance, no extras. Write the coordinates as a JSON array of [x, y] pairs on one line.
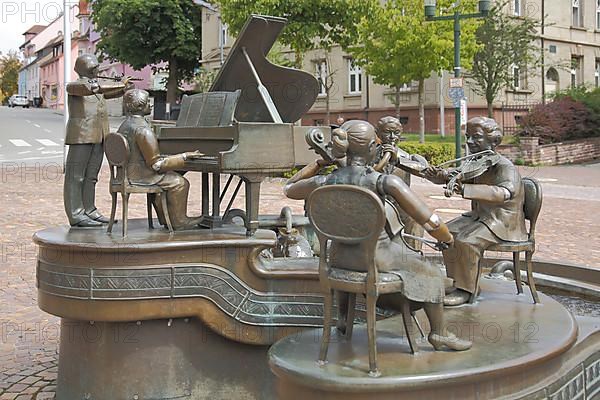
[[430, 15]]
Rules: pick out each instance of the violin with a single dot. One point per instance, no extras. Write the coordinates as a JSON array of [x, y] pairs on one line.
[[414, 164], [474, 165]]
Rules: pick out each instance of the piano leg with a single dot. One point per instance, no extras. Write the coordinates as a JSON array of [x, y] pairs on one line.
[[252, 202], [205, 198]]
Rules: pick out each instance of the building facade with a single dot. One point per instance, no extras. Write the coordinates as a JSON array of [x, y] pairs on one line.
[[570, 38]]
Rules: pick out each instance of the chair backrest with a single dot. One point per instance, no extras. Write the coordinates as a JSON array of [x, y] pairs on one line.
[[533, 202], [116, 149], [348, 215]]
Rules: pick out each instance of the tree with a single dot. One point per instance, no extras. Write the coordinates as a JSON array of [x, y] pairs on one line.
[[398, 46], [326, 77], [312, 24], [145, 32], [508, 46], [10, 65]]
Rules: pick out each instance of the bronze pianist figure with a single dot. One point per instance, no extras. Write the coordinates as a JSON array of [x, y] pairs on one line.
[[423, 281], [147, 166]]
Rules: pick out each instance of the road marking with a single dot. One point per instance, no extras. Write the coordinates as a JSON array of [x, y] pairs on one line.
[[47, 131], [24, 152], [36, 125], [28, 121], [19, 143], [47, 142], [52, 152]]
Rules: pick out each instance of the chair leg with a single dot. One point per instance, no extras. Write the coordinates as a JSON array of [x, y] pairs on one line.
[[407, 318], [530, 281], [149, 198], [372, 335], [125, 197], [473, 296], [517, 271], [350, 315], [113, 211], [163, 200], [327, 317]]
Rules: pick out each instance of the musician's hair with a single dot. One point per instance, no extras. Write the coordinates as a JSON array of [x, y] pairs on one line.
[[489, 126], [135, 100], [387, 121], [352, 138]]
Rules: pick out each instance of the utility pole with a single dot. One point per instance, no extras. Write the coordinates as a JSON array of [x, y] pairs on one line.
[[430, 15]]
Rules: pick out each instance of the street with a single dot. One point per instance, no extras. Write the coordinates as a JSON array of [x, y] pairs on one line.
[[30, 135]]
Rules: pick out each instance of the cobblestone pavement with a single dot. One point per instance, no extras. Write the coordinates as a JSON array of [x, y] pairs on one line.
[[31, 199]]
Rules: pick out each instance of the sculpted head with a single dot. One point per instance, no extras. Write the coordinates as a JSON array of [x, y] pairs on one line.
[[137, 102], [483, 134], [87, 66], [356, 140], [389, 129]]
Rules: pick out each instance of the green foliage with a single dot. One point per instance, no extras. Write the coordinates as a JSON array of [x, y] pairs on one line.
[[506, 41], [9, 74], [430, 138], [397, 45], [435, 153], [312, 24], [145, 32]]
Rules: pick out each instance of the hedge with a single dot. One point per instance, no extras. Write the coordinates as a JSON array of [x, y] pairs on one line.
[[435, 153]]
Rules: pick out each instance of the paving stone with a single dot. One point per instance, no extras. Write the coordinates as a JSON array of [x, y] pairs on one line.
[[45, 396], [9, 396]]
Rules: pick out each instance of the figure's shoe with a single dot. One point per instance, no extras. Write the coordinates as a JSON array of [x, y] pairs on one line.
[[96, 216], [190, 223], [451, 341], [88, 223], [456, 298]]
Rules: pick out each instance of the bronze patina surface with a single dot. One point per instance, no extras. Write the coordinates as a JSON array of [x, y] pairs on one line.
[[516, 347]]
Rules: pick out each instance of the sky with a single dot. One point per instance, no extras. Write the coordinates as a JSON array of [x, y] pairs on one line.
[[16, 16]]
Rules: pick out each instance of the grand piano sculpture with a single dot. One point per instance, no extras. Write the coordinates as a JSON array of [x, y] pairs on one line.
[[245, 124], [167, 312]]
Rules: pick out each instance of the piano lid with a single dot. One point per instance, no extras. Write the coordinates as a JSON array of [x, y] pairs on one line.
[[270, 93]]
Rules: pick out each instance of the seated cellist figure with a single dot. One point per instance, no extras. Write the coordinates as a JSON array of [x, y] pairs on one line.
[[423, 281]]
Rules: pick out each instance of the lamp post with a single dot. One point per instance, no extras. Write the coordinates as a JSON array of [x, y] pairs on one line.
[[430, 11]]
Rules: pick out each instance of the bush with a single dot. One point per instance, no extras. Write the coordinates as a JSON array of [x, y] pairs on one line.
[[562, 119], [435, 153]]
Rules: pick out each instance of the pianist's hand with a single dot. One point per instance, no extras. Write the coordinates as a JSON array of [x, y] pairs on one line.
[[192, 155]]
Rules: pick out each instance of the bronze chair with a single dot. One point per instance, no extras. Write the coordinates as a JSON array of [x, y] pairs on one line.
[[351, 219], [117, 153], [532, 206]]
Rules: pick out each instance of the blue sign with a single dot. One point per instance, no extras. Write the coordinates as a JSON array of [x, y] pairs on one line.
[[456, 94]]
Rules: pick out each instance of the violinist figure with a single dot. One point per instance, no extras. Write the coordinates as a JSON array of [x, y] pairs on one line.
[[86, 128], [497, 196], [389, 157], [423, 282]]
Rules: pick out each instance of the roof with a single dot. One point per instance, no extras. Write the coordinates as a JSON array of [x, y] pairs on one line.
[[206, 4], [35, 29]]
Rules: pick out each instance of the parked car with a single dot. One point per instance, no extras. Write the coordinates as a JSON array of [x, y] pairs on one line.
[[18, 101]]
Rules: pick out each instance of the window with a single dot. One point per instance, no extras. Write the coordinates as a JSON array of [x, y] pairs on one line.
[[597, 73], [516, 75], [597, 14], [576, 71], [321, 75], [576, 13], [517, 7], [354, 78]]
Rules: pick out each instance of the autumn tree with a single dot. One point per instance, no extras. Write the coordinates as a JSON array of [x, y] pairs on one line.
[[147, 32], [508, 45], [10, 65], [397, 46]]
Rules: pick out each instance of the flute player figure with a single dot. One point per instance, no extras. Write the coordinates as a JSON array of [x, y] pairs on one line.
[[86, 128]]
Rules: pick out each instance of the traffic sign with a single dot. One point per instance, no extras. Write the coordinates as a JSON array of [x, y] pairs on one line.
[[457, 82]]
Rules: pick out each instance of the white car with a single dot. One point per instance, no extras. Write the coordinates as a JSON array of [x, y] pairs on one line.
[[18, 101]]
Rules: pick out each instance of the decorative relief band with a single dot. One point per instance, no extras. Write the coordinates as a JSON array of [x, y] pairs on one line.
[[211, 282]]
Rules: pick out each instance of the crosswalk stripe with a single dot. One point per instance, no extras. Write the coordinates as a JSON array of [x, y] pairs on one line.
[[47, 142], [19, 142]]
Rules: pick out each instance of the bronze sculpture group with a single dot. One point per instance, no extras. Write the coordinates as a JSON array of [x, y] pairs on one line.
[[489, 180]]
